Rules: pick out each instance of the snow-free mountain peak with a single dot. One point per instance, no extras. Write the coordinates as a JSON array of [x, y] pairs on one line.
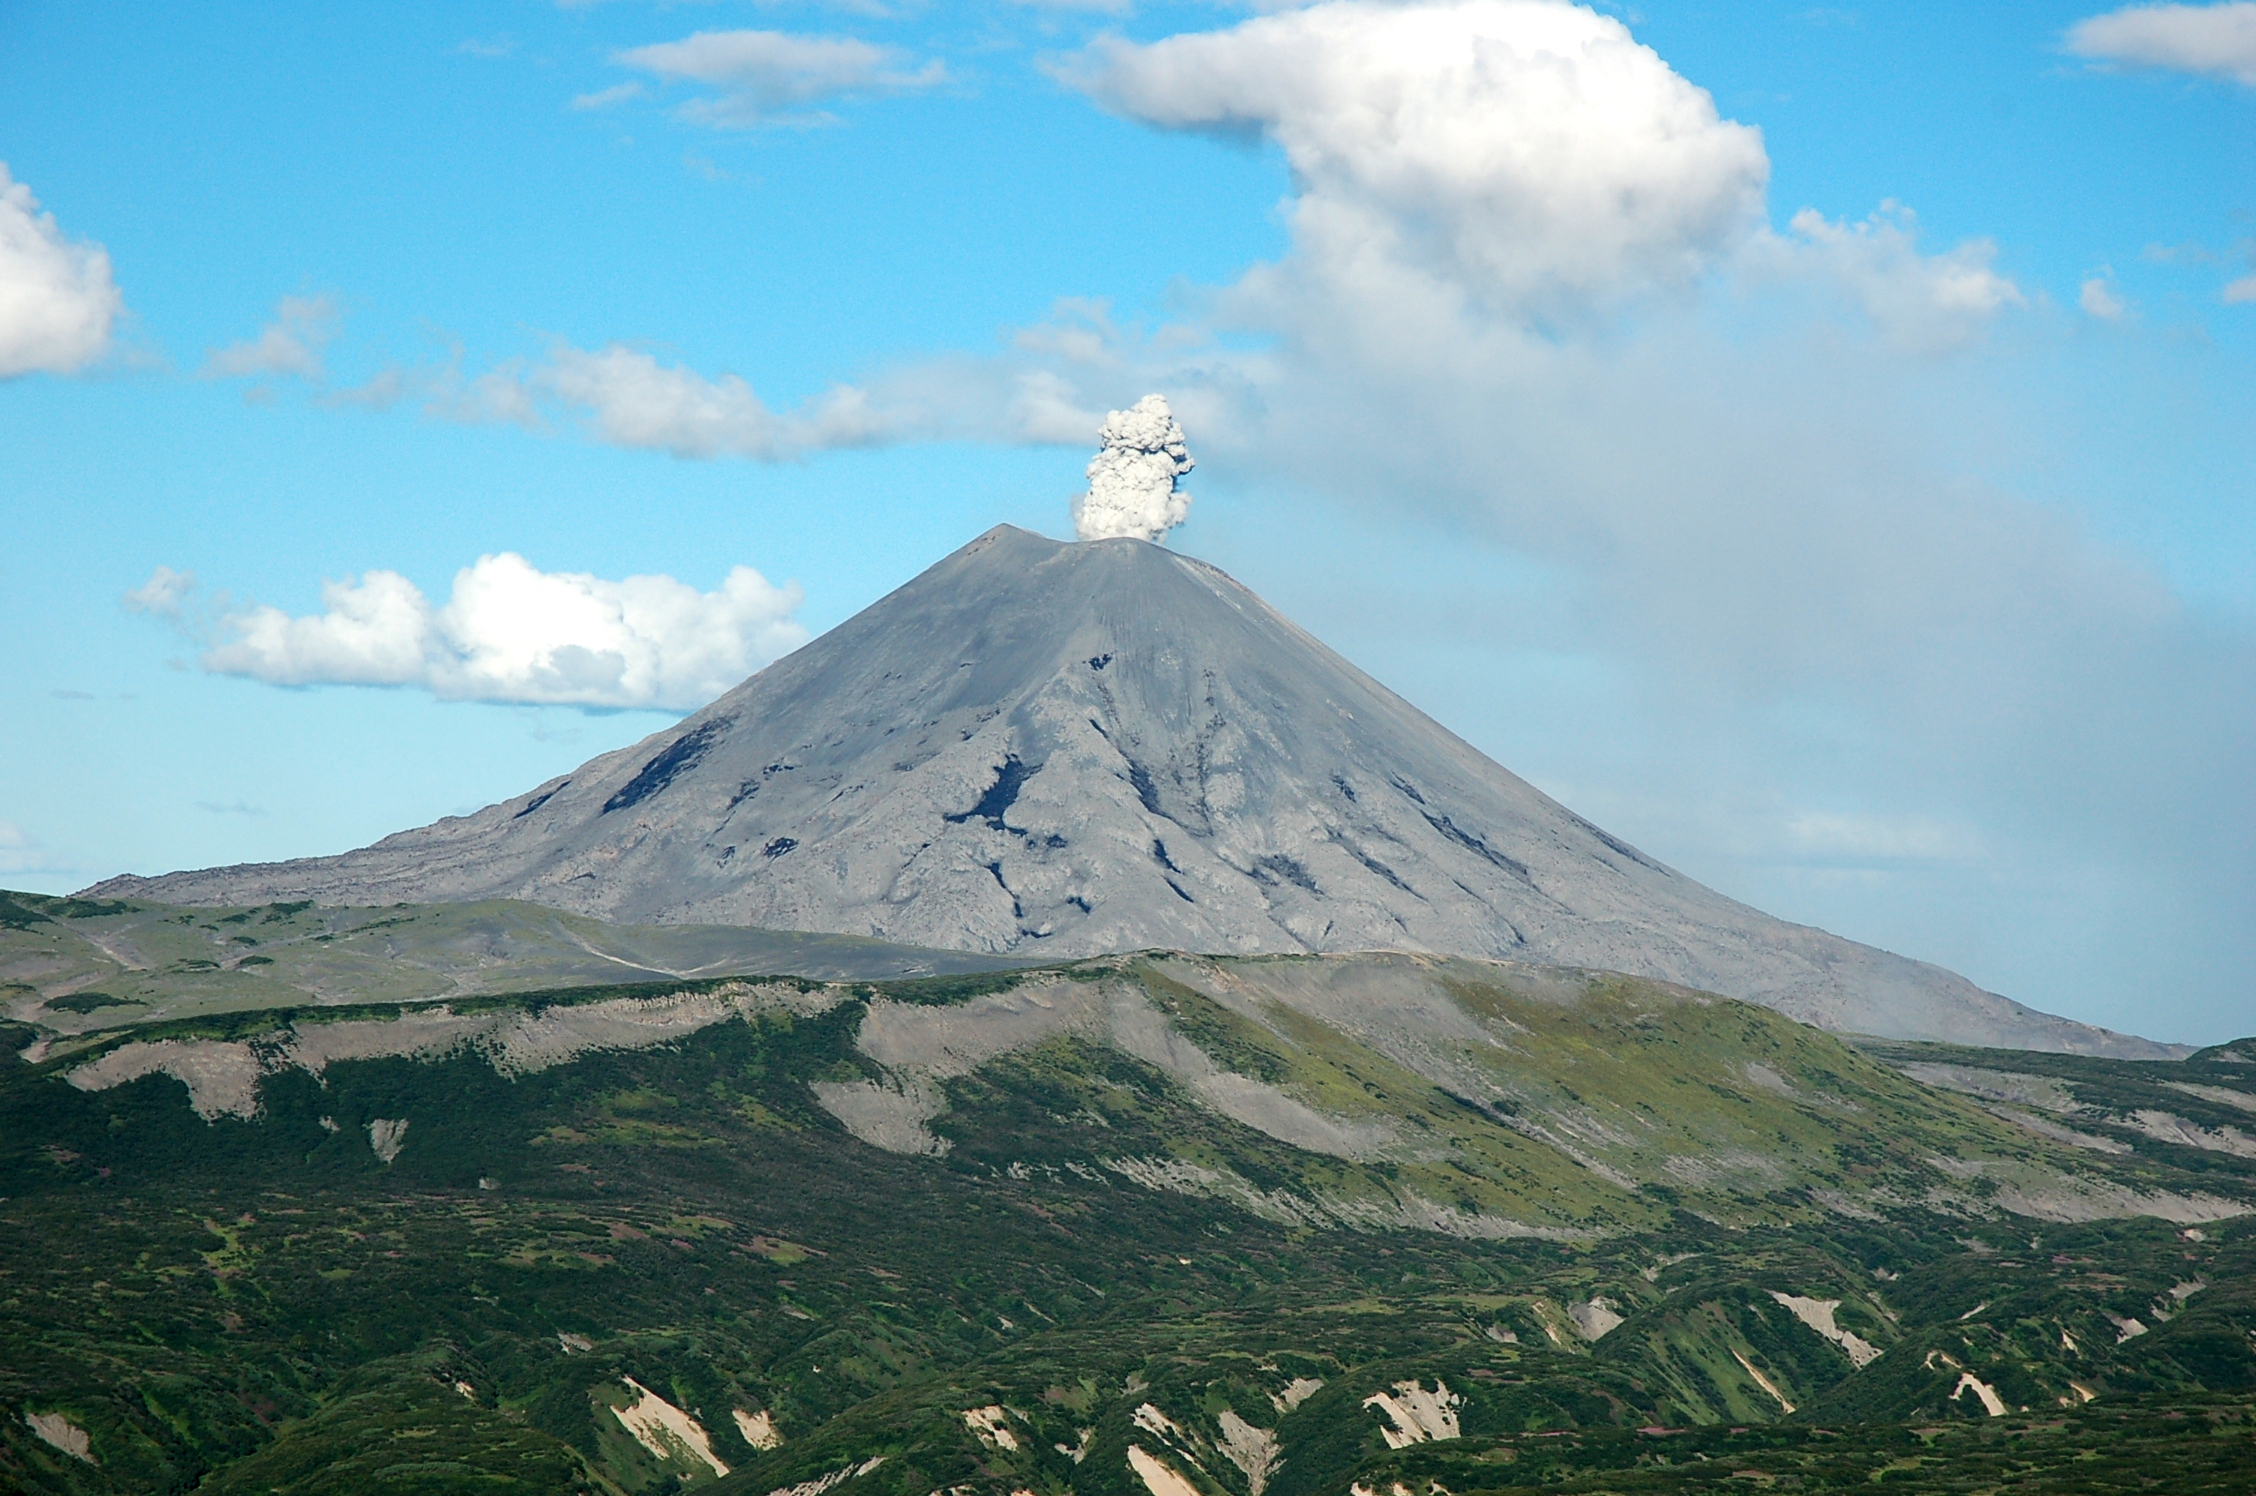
[[1070, 749]]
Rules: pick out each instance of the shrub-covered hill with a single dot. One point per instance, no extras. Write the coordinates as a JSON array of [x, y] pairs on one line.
[[1142, 1226]]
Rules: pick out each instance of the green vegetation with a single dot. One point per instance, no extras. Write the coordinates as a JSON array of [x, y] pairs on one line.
[[2187, 1445], [269, 1305], [87, 1002]]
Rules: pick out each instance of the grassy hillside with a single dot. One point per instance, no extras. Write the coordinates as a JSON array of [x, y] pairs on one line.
[[78, 965], [1135, 1226]]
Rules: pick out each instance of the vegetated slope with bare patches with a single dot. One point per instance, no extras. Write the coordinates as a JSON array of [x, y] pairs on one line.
[[1331, 1220], [1478, 1099]]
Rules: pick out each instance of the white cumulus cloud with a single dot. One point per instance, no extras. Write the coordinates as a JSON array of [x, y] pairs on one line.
[[1533, 154], [761, 77], [1134, 479], [57, 300], [510, 632], [372, 632], [2217, 41], [1526, 158]]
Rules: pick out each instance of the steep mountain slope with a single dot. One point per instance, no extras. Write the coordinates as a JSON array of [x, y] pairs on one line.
[[1064, 750]]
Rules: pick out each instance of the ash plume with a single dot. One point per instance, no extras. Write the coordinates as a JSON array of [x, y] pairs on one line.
[[1132, 479]]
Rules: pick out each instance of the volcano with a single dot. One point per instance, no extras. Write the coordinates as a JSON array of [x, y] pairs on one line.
[[1063, 750]]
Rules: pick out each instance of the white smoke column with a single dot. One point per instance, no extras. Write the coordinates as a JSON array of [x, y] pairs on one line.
[[1132, 480]]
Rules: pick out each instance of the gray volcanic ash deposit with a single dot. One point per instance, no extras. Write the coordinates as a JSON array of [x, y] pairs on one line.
[[1065, 750]]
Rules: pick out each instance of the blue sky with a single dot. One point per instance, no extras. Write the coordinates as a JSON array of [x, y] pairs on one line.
[[1816, 443]]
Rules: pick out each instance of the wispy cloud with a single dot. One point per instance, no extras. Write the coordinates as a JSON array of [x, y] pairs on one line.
[[605, 98], [1915, 300], [289, 346], [165, 595], [776, 77], [2098, 298], [20, 852], [875, 9], [630, 399], [2238, 291], [625, 396], [1860, 838], [2217, 41]]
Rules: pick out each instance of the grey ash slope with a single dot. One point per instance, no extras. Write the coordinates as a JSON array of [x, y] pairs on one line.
[[1066, 750]]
